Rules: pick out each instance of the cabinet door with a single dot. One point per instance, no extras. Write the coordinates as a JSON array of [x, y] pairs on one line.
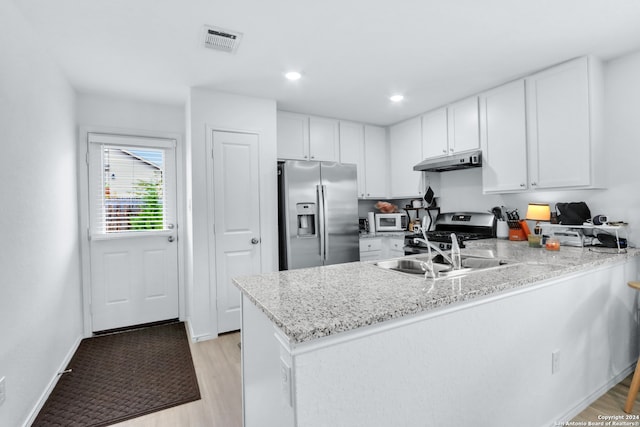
[[503, 138], [405, 151], [434, 133], [558, 126], [324, 143], [463, 121], [293, 136], [376, 167], [352, 150]]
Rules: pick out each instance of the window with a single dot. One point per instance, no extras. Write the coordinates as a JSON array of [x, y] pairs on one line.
[[128, 184]]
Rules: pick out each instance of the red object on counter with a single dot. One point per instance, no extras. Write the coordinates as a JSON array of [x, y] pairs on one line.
[[517, 234]]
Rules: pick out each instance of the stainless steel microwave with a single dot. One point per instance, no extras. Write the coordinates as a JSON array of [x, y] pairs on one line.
[[391, 222]]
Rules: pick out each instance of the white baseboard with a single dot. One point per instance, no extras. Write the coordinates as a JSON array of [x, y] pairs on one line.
[[47, 392], [587, 401], [198, 338]]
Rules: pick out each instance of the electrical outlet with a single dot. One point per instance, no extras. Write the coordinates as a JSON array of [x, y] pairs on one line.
[[3, 393], [555, 362]]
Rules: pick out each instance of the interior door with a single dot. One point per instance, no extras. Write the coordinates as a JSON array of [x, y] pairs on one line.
[[236, 178], [132, 212]]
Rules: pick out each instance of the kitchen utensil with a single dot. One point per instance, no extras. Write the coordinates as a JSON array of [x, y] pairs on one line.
[[428, 197], [497, 212]]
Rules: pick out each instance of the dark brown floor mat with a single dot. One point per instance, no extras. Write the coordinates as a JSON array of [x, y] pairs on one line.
[[121, 376]]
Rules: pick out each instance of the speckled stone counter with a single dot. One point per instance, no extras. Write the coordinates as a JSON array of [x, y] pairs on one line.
[[382, 234], [311, 303]]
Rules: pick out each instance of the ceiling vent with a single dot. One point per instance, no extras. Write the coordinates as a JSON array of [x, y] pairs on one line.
[[220, 39]]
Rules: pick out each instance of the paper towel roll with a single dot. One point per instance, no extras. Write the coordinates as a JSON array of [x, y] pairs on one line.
[[372, 222]]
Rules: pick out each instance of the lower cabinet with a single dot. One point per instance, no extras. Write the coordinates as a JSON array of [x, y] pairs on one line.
[[376, 248], [370, 249]]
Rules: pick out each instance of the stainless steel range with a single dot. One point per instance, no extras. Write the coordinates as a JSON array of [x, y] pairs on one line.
[[465, 225]]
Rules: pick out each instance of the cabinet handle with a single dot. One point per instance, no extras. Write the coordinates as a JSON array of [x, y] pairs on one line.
[[368, 194], [304, 157], [451, 149], [444, 151], [313, 157], [522, 185], [534, 183]]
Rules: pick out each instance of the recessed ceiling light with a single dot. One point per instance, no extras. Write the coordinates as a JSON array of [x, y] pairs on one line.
[[396, 98], [293, 75]]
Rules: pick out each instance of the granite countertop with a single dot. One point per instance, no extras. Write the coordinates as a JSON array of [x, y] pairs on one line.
[[311, 303], [383, 234]]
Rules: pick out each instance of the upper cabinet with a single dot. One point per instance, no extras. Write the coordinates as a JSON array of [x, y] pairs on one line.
[[352, 150], [564, 125], [376, 162], [301, 137], [324, 142], [293, 136], [451, 129], [503, 137], [405, 151], [434, 133], [366, 147], [464, 132], [544, 132]]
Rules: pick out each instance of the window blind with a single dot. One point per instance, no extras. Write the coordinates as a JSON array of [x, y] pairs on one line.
[[129, 192]]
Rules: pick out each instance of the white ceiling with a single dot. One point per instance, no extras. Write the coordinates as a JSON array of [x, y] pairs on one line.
[[353, 53]]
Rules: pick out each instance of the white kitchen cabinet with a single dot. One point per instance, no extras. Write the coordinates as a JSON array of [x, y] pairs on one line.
[[324, 140], [405, 151], [434, 133], [366, 146], [302, 137], [370, 248], [293, 136], [564, 125], [451, 129], [463, 125], [352, 150], [393, 247], [383, 247], [376, 162], [503, 136]]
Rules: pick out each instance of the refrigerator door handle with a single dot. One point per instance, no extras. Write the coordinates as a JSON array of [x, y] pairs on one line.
[[320, 189]]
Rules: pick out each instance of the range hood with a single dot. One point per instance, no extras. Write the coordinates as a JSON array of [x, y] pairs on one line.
[[461, 160]]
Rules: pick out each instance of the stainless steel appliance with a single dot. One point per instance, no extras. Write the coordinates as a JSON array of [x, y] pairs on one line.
[[391, 221], [465, 225], [461, 160], [318, 214]]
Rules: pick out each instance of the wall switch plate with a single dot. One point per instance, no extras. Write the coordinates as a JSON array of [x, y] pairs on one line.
[[555, 362], [3, 393]]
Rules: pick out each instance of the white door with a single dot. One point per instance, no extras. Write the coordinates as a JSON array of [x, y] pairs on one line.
[[132, 212], [236, 178]]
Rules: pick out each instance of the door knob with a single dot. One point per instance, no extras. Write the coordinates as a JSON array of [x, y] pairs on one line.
[[171, 239], [255, 241]]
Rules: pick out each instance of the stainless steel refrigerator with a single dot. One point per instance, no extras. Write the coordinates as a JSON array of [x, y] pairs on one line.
[[317, 214]]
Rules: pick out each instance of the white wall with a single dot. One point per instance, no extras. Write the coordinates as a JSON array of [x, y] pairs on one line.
[[40, 291], [224, 111], [129, 114], [620, 200]]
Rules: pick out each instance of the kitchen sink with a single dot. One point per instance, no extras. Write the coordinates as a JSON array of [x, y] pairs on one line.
[[442, 269]]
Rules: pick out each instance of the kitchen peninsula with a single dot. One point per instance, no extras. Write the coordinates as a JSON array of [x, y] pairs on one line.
[[357, 345]]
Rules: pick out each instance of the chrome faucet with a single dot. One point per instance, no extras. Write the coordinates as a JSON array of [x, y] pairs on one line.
[[456, 261], [453, 260]]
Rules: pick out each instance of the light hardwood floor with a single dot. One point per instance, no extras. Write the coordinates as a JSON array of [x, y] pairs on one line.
[[217, 364]]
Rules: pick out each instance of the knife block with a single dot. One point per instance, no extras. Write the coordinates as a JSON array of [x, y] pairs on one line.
[[518, 230], [517, 234]]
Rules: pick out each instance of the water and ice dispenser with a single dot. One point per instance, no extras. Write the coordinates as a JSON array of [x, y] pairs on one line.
[[306, 213]]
